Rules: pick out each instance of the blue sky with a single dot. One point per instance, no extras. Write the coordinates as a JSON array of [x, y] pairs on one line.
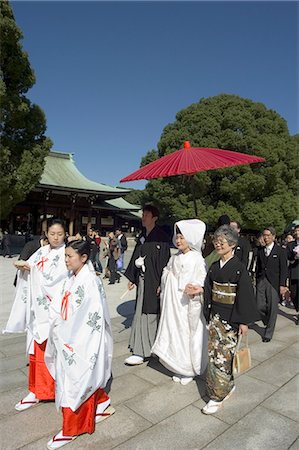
[[111, 75]]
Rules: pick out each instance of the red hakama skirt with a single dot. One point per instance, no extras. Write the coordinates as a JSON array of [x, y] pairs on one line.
[[83, 419], [40, 381]]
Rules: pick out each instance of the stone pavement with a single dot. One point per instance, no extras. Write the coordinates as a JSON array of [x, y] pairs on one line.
[[152, 412]]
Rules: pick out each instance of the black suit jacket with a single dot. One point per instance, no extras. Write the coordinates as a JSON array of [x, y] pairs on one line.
[[293, 263], [242, 250], [274, 267]]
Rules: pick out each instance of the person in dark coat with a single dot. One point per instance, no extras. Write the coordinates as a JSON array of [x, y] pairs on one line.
[[243, 246], [90, 238], [123, 246], [150, 256], [6, 244], [293, 258], [113, 252], [271, 279]]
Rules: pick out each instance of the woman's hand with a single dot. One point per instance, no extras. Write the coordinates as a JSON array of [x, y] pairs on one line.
[[22, 265], [191, 289], [243, 329]]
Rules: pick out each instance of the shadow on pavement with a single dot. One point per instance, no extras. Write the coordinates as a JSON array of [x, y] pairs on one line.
[[290, 316], [259, 330], [127, 310]]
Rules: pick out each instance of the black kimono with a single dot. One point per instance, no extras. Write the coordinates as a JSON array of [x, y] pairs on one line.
[[229, 302], [244, 309], [154, 248]]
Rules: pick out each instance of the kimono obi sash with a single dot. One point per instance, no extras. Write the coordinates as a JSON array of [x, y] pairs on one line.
[[224, 293]]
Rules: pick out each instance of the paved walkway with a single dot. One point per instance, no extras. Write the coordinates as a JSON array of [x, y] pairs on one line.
[[152, 412]]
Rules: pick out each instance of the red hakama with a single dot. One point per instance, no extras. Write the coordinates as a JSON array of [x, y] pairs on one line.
[[40, 381], [83, 419]]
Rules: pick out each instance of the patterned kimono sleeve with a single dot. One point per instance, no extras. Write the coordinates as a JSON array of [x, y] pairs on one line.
[[55, 312]]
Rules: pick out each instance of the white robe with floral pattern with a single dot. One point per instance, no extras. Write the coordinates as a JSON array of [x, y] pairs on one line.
[[79, 350], [34, 293]]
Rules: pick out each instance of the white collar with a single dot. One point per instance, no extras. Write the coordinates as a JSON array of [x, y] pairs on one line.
[[222, 263], [268, 248]]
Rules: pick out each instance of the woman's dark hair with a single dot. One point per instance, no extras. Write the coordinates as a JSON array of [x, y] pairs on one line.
[[81, 247], [177, 230], [55, 221]]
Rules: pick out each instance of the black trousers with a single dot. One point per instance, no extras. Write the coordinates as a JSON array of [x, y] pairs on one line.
[[267, 299], [294, 288], [114, 276]]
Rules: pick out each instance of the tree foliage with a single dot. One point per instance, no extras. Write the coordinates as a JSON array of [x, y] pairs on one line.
[[257, 195], [23, 124], [134, 197]]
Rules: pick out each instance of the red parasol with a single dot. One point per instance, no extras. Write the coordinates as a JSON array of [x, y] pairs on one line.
[[189, 160]]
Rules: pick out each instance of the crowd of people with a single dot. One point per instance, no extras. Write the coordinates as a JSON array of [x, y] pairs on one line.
[[190, 309]]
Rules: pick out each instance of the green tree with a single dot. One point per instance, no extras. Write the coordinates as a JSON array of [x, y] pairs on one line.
[[257, 195], [134, 197], [23, 124]]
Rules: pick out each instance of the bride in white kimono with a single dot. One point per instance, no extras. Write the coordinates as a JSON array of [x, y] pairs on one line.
[[181, 342], [79, 349], [40, 278]]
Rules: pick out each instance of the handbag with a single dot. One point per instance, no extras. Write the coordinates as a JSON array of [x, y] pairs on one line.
[[119, 264], [242, 357]]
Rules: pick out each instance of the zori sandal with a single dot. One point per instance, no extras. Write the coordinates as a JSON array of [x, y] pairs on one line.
[[27, 402], [105, 414], [59, 441]]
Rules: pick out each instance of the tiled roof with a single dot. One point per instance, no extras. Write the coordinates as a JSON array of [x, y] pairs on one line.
[[60, 172]]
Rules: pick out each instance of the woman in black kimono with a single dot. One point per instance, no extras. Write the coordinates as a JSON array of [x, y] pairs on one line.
[[229, 306]]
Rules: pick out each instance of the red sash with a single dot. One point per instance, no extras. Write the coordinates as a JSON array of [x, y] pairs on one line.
[[64, 305], [41, 263]]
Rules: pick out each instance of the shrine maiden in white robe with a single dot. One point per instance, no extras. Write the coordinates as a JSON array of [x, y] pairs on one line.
[[182, 339], [34, 293], [79, 350]]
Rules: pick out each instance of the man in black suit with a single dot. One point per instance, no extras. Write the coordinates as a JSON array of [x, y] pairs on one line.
[[271, 275], [243, 247], [293, 258]]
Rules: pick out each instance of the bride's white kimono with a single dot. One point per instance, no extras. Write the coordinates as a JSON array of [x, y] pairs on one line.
[[34, 293], [182, 338], [79, 349]]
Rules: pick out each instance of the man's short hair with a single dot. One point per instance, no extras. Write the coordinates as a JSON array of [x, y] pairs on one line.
[[153, 209], [271, 229], [223, 220]]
